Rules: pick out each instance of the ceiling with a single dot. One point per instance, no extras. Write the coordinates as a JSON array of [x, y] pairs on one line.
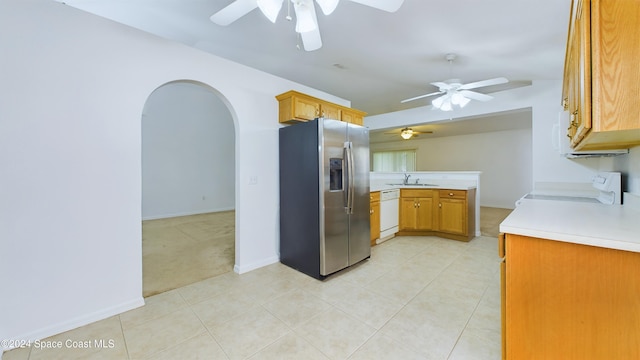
[[509, 120], [371, 57]]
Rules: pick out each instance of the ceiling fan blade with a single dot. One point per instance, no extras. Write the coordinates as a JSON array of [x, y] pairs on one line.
[[440, 84], [233, 12], [386, 5], [270, 8], [327, 6], [437, 102], [475, 95], [306, 19], [311, 40], [422, 96], [483, 83]]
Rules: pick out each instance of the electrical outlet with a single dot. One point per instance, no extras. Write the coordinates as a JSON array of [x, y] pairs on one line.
[[253, 180]]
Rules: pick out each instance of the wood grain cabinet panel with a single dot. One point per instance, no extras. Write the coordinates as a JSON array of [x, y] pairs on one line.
[[295, 107], [569, 301], [374, 219], [601, 83], [445, 213], [416, 210]]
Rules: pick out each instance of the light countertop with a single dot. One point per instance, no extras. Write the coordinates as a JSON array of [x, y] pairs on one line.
[[448, 185], [608, 226]]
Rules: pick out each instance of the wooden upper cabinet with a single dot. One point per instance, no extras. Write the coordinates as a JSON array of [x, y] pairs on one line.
[[295, 107], [329, 111], [353, 116], [577, 78], [601, 84]]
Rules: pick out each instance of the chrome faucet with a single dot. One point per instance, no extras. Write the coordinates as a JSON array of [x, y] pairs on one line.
[[406, 179]]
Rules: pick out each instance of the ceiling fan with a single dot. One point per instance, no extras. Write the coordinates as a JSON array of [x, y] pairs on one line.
[[306, 20], [454, 92], [407, 133]]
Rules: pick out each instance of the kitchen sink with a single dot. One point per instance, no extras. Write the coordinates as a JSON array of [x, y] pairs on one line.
[[401, 184]]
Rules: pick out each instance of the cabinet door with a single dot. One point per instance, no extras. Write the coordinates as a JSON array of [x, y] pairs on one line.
[[352, 117], [305, 109], [453, 216], [375, 221], [330, 111], [424, 214], [580, 62], [408, 211], [570, 301]]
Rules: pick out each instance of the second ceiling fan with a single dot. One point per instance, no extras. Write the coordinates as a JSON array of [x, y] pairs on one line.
[[305, 11], [454, 92]]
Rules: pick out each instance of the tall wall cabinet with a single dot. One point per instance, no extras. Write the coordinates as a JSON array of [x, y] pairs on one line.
[[601, 88]]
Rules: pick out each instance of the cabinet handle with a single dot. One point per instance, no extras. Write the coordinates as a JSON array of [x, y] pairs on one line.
[[440, 205], [450, 194], [418, 204]]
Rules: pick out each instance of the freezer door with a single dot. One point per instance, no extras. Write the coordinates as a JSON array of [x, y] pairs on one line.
[[359, 222], [334, 220]]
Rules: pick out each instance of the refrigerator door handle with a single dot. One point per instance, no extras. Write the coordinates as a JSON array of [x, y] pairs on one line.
[[348, 145]]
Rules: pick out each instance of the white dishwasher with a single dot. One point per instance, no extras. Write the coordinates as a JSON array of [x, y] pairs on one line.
[[389, 214]]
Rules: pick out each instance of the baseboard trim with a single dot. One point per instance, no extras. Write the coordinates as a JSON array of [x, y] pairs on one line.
[[256, 265], [78, 322], [166, 216]]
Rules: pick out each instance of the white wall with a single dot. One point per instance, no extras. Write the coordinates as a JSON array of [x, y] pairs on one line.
[[188, 152], [72, 90], [629, 165], [503, 157]]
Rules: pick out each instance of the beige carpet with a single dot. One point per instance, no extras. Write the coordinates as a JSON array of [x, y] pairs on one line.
[[184, 250], [490, 219]]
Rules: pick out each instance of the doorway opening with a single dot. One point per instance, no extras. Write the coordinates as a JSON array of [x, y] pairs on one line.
[[188, 186]]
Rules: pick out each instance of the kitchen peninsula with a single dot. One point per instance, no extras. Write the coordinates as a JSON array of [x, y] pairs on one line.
[[443, 204]]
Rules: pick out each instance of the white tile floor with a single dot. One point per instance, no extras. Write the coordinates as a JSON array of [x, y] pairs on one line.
[[416, 298]]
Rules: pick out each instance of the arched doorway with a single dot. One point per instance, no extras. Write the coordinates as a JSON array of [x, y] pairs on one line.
[[188, 186]]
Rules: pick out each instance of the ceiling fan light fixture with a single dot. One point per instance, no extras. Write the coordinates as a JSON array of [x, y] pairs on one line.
[[456, 98], [437, 102], [270, 8], [464, 101], [406, 133], [327, 6], [446, 105], [305, 17]]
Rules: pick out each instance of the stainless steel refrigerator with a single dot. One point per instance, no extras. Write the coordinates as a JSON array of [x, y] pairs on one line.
[[324, 196]]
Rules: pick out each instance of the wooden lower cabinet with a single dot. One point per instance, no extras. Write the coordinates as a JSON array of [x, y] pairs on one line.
[[374, 211], [416, 210], [453, 212], [569, 301], [445, 213]]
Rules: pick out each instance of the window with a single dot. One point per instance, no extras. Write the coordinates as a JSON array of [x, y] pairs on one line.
[[394, 160]]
